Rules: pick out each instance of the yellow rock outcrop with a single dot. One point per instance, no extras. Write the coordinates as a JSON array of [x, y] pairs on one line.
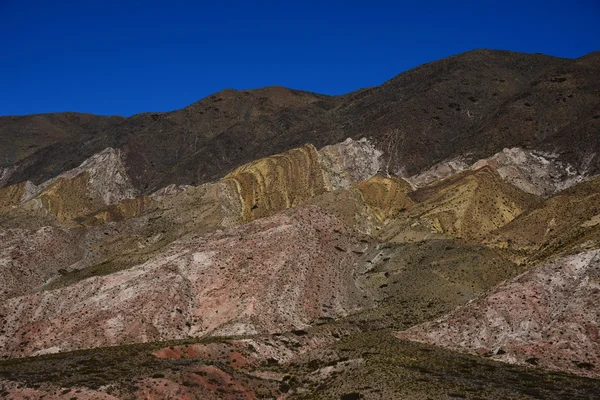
[[68, 199], [278, 182], [88, 196], [386, 196], [12, 195], [468, 205]]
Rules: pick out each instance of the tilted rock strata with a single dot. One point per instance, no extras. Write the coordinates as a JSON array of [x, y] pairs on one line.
[[535, 172], [275, 274], [268, 185], [99, 181], [386, 196], [467, 205], [286, 180], [272, 184], [563, 222], [278, 182], [100, 191], [548, 316]]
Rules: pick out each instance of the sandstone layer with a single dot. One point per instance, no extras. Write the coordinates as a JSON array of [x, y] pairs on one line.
[[467, 205]]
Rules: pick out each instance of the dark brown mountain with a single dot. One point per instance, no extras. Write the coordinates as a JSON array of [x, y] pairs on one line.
[[44, 145], [475, 103]]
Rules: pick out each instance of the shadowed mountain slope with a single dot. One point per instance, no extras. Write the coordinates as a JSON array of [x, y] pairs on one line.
[[476, 103], [39, 147]]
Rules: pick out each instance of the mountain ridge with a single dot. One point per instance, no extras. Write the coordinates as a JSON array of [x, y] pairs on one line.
[[271, 120]]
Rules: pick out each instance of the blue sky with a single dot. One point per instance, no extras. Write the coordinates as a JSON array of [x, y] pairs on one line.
[[124, 57]]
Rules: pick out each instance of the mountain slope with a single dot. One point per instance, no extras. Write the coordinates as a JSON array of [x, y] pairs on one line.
[[566, 222], [547, 316], [467, 205], [474, 103], [212, 284]]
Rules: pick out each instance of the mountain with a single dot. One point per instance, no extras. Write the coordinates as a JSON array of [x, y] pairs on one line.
[[433, 237], [474, 104]]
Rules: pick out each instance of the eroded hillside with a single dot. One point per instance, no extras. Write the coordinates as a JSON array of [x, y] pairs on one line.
[[433, 237]]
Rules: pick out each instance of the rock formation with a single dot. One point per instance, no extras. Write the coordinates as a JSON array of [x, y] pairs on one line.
[[534, 172], [467, 205]]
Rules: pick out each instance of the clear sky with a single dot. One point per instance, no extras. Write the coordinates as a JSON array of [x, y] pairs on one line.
[[124, 57]]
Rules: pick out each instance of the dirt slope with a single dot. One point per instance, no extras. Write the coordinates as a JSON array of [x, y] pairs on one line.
[[547, 316], [214, 284]]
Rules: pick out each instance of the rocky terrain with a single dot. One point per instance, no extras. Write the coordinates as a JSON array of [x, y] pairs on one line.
[[213, 284], [547, 316], [437, 236]]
